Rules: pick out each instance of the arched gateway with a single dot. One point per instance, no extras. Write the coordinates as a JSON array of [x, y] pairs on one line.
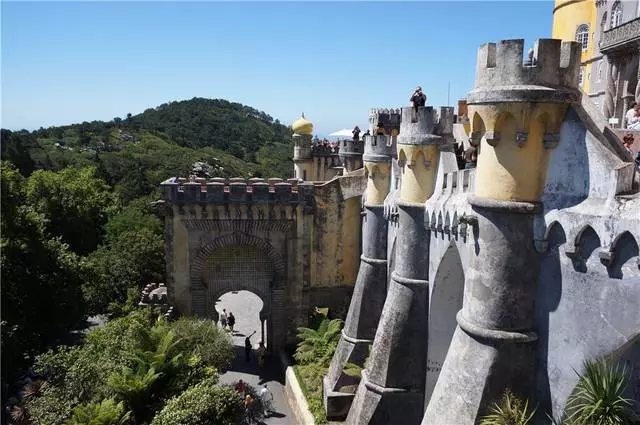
[[236, 262], [278, 240]]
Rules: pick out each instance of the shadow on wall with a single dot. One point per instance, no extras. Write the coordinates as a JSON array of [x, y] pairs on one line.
[[624, 257], [568, 178], [549, 296]]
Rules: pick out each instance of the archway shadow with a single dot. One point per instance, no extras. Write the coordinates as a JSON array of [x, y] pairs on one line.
[[271, 371], [549, 296]]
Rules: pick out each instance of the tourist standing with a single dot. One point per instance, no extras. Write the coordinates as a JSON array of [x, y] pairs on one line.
[[231, 321], [633, 117], [261, 352], [223, 318], [418, 99], [248, 404], [267, 398], [248, 347], [356, 134]]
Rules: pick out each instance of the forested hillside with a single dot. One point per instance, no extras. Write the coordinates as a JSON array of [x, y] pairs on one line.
[[79, 234]]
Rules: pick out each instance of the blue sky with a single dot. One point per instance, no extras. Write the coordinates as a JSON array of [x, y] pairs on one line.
[[64, 63]]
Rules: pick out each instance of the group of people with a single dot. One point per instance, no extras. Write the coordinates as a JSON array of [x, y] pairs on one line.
[[326, 147], [229, 319], [266, 397]]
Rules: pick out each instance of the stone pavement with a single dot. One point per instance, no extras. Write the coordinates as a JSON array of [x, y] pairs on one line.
[[246, 306]]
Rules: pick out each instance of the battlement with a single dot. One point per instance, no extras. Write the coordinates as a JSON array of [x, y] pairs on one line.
[[423, 127], [504, 72], [379, 148], [235, 190], [388, 118], [351, 148]]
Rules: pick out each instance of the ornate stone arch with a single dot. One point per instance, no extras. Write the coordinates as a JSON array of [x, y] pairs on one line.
[[234, 239]]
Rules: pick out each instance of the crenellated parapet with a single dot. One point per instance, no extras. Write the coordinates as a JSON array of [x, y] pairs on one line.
[[516, 111], [387, 119], [503, 75], [236, 191]]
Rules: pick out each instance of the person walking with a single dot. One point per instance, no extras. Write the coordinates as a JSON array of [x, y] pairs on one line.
[[267, 398], [223, 318], [248, 347], [241, 389], [231, 321], [248, 409]]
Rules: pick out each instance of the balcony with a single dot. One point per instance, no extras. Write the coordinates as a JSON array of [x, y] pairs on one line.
[[623, 36]]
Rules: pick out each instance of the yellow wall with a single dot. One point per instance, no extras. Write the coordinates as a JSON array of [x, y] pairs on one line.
[[419, 175], [506, 171], [335, 237], [377, 182], [567, 16]]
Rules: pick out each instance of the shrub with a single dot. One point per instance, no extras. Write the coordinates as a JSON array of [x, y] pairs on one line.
[[318, 345], [598, 396], [204, 403], [510, 411], [204, 339], [108, 412]]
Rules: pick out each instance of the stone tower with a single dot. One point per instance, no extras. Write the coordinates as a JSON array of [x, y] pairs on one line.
[[392, 386], [371, 285], [516, 111], [302, 156], [351, 154]]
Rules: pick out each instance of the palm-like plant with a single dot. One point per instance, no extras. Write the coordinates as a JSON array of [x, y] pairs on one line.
[[106, 413], [510, 411], [598, 398], [318, 345]]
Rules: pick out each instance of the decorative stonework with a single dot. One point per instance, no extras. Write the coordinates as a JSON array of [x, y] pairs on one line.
[[621, 36]]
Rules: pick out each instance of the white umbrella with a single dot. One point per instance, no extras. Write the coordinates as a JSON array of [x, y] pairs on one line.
[[342, 133]]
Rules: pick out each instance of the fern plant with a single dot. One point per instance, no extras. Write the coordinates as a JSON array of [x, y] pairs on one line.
[[108, 412], [318, 345], [597, 399], [510, 411]]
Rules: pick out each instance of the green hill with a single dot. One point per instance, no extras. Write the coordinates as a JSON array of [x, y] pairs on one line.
[[134, 154]]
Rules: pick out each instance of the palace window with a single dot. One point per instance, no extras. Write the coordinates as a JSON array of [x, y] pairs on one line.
[[582, 36], [581, 76], [603, 23], [616, 14]]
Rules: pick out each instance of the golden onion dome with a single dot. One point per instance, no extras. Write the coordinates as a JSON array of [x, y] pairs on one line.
[[302, 126]]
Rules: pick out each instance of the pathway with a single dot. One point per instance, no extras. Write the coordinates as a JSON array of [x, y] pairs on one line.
[[246, 306]]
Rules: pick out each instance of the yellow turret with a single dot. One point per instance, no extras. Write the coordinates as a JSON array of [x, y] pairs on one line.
[[302, 126]]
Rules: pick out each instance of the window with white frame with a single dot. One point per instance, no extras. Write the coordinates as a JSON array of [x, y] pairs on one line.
[[581, 76], [603, 23], [582, 36], [616, 14]]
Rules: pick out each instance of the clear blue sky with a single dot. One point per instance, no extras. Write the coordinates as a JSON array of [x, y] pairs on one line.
[[64, 63]]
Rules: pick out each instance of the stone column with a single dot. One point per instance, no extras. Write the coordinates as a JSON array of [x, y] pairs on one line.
[[302, 159], [609, 105], [517, 116], [392, 386], [370, 289]]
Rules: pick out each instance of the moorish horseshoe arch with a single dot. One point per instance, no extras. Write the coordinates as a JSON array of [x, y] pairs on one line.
[[271, 305]]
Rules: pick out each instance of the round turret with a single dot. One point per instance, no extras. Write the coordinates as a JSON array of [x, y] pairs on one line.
[[302, 126]]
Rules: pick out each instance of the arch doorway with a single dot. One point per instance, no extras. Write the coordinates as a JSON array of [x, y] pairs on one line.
[[251, 320], [237, 275], [445, 302]]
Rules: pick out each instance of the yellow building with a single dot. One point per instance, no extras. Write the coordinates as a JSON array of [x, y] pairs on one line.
[[575, 20]]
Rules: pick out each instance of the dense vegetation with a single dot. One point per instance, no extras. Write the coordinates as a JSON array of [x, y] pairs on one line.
[[313, 356], [126, 371], [80, 234]]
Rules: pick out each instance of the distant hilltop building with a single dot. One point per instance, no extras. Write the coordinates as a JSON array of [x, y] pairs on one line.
[[463, 280]]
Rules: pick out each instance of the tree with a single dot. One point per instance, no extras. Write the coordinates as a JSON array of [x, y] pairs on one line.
[[74, 203], [41, 278]]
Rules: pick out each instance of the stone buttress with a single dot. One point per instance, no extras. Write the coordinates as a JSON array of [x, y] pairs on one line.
[[392, 386], [516, 111], [371, 285]]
